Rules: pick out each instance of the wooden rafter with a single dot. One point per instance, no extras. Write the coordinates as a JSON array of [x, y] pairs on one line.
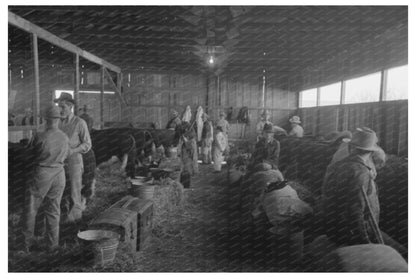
[[45, 35]]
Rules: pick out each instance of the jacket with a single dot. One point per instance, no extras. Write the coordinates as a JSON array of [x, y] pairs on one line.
[[347, 217]]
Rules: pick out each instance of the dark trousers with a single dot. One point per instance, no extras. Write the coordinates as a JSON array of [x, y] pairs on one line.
[[186, 179]]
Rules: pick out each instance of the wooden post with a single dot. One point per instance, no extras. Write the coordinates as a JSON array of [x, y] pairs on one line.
[[383, 85], [36, 70], [263, 92], [119, 79], [102, 98], [318, 96], [342, 93], [76, 87]]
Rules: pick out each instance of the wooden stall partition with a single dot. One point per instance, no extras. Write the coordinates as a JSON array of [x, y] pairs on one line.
[[388, 119]]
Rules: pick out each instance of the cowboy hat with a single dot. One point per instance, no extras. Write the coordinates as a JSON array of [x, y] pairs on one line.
[[295, 120], [65, 97], [365, 139]]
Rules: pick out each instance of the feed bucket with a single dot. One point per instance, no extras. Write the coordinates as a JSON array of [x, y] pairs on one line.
[[99, 246], [143, 190]]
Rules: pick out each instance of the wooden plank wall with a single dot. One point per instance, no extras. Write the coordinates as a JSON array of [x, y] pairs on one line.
[[152, 96], [389, 119], [246, 91]]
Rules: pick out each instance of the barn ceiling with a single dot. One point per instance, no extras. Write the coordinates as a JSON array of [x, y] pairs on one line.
[[182, 38]]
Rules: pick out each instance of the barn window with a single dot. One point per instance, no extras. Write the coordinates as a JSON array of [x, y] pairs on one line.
[[330, 94], [308, 98], [58, 92], [363, 89], [396, 86]]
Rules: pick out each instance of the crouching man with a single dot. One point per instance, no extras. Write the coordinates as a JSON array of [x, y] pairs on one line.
[[286, 212], [47, 186]]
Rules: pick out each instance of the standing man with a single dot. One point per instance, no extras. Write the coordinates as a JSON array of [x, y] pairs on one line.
[[265, 119], [51, 148], [87, 118], [28, 118], [350, 198], [174, 122], [220, 144], [80, 142], [267, 149], [296, 129], [189, 154], [207, 137], [223, 123]]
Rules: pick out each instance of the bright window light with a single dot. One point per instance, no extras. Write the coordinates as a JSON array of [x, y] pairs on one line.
[[308, 97], [363, 89], [330, 94], [396, 87], [58, 92]]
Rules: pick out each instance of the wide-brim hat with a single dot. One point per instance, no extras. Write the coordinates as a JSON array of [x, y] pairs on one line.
[[365, 139], [295, 120], [65, 97], [52, 112]]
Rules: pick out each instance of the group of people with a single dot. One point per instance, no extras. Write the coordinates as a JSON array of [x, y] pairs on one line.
[[212, 143], [349, 193], [57, 175]]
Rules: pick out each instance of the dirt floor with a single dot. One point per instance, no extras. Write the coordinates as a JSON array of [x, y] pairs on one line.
[[205, 235]]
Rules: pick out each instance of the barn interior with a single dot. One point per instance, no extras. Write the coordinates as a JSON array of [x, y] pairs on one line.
[[336, 67]]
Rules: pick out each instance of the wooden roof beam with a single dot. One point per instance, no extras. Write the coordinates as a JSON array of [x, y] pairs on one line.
[[45, 35]]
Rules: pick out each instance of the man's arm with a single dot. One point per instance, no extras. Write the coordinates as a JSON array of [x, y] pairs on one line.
[[84, 137], [357, 206], [275, 155]]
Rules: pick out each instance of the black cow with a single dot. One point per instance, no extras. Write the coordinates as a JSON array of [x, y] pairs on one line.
[[146, 137], [117, 142], [20, 169]]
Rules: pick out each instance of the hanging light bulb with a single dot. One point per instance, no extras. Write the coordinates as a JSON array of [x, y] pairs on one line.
[[211, 60]]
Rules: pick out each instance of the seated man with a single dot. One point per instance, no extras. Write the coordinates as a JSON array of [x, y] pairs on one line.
[[267, 149], [350, 198]]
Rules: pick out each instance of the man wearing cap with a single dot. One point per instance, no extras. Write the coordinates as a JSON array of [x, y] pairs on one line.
[[265, 119], [223, 123], [207, 137], [296, 129], [267, 149], [174, 122], [87, 118], [350, 198], [80, 142], [51, 148]]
